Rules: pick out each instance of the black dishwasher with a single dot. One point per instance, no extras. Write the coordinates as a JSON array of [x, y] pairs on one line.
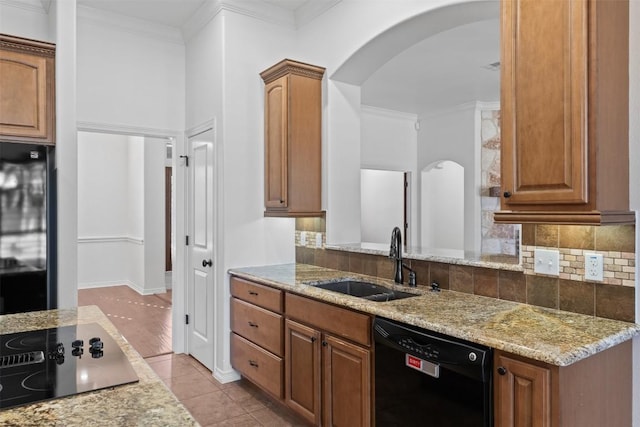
[[423, 378]]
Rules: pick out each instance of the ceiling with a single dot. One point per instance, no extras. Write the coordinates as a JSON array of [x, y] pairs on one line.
[[437, 73]]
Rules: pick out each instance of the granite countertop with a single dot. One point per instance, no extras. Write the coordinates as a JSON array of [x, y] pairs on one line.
[[449, 256], [552, 336], [145, 403]]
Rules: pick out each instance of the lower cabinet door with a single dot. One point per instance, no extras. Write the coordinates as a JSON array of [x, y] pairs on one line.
[[302, 376], [522, 393], [257, 364], [347, 383]]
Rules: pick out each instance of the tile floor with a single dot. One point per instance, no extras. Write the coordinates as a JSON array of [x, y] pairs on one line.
[[145, 321]]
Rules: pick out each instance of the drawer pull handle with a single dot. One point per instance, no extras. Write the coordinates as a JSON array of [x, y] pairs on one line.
[[253, 325], [253, 293], [253, 363]]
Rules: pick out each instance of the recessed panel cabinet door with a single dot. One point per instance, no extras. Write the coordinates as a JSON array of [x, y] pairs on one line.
[[27, 103], [276, 137], [522, 394], [302, 375], [347, 383], [544, 102]]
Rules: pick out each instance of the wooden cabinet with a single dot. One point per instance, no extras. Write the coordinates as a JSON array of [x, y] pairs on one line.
[[292, 139], [27, 87], [595, 391], [523, 393], [327, 377], [257, 334], [565, 105]]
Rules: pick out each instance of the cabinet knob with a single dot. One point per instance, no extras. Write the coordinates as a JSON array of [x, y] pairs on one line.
[[502, 370], [507, 194], [324, 343], [313, 339]]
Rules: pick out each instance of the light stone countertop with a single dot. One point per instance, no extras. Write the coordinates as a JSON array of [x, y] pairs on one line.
[[552, 336], [147, 403], [448, 256]]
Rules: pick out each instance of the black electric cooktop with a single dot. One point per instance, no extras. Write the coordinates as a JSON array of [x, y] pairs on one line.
[[58, 362]]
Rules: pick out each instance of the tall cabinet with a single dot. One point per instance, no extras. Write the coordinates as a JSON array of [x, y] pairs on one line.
[[292, 139], [27, 90], [565, 112]]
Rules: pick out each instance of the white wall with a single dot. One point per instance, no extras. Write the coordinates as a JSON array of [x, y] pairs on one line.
[[127, 77], [223, 61], [389, 142], [442, 206], [26, 20], [154, 215], [452, 135], [121, 211], [382, 201]]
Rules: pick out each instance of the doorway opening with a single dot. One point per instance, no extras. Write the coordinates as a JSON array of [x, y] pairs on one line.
[[125, 234]]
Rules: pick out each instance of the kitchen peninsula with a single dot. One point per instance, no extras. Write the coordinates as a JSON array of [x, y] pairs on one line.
[[147, 402], [565, 368]]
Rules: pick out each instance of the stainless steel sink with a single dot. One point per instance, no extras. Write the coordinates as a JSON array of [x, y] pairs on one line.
[[365, 290]]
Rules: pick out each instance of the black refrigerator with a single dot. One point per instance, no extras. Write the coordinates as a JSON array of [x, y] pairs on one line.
[[27, 228]]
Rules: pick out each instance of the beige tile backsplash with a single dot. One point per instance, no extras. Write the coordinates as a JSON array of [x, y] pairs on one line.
[[613, 298]]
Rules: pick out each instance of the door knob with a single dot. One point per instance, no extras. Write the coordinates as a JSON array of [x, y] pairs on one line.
[[206, 263]]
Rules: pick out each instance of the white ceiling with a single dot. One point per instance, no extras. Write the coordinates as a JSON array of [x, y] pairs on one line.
[[439, 72]]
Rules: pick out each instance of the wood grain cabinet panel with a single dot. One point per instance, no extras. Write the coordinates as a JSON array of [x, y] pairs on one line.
[[302, 375], [347, 383], [258, 365], [564, 108], [293, 144], [27, 90], [595, 391], [328, 377]]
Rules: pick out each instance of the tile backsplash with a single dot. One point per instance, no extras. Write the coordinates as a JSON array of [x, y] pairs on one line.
[[613, 298]]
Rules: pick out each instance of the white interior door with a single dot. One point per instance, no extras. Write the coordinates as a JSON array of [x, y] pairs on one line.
[[201, 275]]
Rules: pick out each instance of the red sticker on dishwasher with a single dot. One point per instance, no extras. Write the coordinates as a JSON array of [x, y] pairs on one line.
[[413, 362]]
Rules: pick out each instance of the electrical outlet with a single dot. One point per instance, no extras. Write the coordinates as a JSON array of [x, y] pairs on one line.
[[593, 267], [546, 261], [303, 238]]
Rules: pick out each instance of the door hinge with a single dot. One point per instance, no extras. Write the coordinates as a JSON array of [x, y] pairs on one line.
[[186, 240], [186, 319], [186, 160]]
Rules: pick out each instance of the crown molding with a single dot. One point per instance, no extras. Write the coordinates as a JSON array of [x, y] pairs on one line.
[[257, 10], [384, 112], [131, 25]]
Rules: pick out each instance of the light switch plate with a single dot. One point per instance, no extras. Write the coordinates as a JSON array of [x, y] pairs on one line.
[[318, 240], [593, 267], [303, 238], [546, 261]]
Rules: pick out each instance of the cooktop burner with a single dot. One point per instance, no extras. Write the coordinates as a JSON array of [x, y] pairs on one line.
[[57, 362]]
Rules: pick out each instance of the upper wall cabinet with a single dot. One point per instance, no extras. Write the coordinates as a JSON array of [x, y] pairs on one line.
[[565, 112], [292, 139], [27, 85]]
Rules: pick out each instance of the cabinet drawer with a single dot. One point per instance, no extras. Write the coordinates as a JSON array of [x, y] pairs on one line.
[[260, 295], [258, 325], [339, 321], [257, 364]]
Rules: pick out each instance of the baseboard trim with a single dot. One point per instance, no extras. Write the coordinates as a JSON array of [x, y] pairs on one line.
[[226, 376], [138, 289]]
